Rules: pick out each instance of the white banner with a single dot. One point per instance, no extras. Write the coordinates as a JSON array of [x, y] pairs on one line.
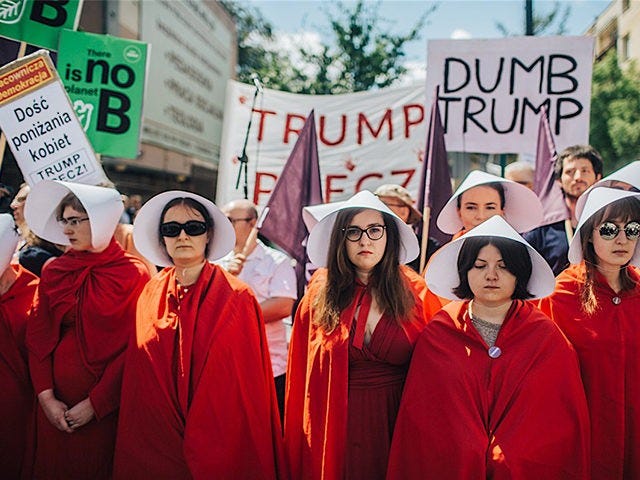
[[365, 139], [491, 91], [41, 127]]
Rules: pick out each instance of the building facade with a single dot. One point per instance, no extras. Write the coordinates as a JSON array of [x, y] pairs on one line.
[[193, 53], [617, 28]]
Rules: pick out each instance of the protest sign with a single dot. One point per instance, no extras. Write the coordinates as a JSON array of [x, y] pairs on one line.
[[492, 91], [41, 128], [38, 22], [193, 56], [104, 77], [365, 139]]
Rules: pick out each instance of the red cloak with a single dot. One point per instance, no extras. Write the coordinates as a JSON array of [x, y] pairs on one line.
[[317, 384], [608, 345], [17, 401], [83, 316], [432, 304], [198, 399], [466, 415]]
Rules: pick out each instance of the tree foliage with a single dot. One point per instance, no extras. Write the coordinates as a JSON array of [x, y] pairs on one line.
[[256, 55], [365, 55], [362, 54], [615, 112]]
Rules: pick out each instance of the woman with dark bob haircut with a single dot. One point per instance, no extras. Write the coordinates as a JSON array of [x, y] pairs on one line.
[[596, 304], [489, 370], [351, 343], [514, 255], [198, 399]]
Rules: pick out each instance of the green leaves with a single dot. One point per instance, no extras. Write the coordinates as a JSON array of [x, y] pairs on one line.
[[615, 112], [361, 55]]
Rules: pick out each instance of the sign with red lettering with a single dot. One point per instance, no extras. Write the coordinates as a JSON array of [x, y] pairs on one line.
[[365, 139], [41, 127], [492, 91]]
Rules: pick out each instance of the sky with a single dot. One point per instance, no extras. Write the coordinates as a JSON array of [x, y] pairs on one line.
[[305, 21]]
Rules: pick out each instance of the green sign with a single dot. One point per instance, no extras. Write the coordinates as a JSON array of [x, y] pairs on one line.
[[104, 77], [38, 22]]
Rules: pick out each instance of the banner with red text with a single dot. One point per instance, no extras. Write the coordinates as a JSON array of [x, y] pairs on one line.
[[492, 91], [365, 139]]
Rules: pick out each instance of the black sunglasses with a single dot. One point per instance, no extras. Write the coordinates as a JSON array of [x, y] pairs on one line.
[[193, 228], [609, 230]]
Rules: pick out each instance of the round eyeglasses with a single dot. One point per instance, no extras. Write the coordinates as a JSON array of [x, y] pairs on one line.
[[354, 234], [609, 230], [193, 228]]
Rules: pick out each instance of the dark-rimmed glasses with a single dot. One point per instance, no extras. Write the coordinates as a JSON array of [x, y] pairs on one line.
[[354, 234], [71, 221], [193, 228], [609, 230]]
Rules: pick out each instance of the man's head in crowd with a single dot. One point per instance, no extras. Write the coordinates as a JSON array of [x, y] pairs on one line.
[[520, 172], [243, 215], [577, 168]]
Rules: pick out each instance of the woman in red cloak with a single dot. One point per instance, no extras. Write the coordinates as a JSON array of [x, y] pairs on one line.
[[351, 343], [17, 402], [494, 388], [198, 399], [596, 304], [82, 318]]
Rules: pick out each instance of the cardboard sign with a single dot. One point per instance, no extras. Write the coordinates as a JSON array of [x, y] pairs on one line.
[[492, 91], [104, 77], [365, 139], [40, 125], [38, 22]]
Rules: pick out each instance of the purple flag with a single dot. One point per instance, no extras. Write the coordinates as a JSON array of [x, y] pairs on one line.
[[545, 185], [435, 180], [298, 186]]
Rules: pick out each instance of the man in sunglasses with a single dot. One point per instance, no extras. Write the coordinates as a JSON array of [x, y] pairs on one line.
[[271, 276]]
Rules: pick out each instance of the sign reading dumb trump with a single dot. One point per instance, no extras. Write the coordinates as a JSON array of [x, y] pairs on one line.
[[492, 91]]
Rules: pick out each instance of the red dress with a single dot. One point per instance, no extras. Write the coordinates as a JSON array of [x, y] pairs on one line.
[[465, 415], [83, 316], [17, 400], [198, 399], [376, 377], [608, 346], [342, 394]]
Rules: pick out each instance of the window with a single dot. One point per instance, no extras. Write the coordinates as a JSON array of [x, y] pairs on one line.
[[624, 48]]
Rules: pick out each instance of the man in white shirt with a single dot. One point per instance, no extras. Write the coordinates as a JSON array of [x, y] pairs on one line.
[[271, 276]]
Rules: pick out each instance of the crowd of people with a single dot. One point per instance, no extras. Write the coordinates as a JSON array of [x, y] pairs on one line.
[[160, 350]]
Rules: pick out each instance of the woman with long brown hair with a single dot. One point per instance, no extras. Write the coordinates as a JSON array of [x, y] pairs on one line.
[[352, 339], [596, 304]]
